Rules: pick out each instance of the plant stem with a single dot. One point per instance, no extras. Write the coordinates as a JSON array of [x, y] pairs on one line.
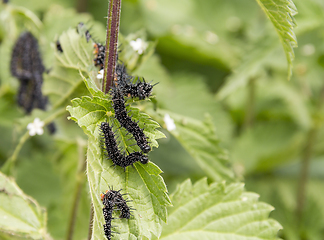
[[307, 156], [79, 186], [304, 172], [7, 168], [82, 5], [111, 43], [249, 111]]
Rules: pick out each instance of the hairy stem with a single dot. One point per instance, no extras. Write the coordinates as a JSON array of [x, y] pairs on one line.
[[111, 43], [79, 186]]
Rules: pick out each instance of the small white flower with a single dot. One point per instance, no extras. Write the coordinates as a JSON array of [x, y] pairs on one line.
[[169, 122], [36, 127], [138, 45], [100, 74]]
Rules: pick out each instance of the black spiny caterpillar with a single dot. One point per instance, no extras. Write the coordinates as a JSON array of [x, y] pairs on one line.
[[125, 83], [110, 199], [127, 122], [113, 151]]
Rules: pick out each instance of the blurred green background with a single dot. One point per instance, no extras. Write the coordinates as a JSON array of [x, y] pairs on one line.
[[218, 57]]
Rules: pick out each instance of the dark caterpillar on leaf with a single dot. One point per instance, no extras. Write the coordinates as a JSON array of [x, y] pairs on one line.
[[127, 122], [110, 199], [125, 83], [81, 29], [113, 151]]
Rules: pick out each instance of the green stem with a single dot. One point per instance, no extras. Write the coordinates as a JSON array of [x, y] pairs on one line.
[[79, 186], [10, 163], [111, 43], [250, 106], [306, 159]]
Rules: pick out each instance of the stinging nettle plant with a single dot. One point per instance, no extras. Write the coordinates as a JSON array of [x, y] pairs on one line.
[[217, 208]]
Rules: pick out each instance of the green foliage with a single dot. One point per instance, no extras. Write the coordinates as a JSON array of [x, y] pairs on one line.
[[143, 183], [221, 73], [281, 13], [249, 69], [200, 141], [218, 212], [20, 214], [63, 81]]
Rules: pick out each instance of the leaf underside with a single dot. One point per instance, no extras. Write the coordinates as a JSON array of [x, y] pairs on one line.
[[281, 14], [20, 214]]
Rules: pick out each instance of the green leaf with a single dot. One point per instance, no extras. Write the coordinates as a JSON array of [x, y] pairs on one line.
[[251, 67], [143, 183], [20, 214], [218, 211], [64, 82], [200, 140], [293, 99], [281, 13]]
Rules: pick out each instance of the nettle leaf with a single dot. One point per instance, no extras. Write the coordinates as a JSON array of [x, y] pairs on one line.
[[143, 183], [218, 211], [200, 140], [64, 81], [281, 13], [251, 67], [20, 214]]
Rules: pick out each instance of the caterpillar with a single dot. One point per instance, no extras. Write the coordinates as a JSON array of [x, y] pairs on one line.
[[109, 200], [113, 151], [127, 122], [26, 65], [81, 29], [99, 49], [125, 83], [117, 198], [107, 213], [59, 46], [139, 89]]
